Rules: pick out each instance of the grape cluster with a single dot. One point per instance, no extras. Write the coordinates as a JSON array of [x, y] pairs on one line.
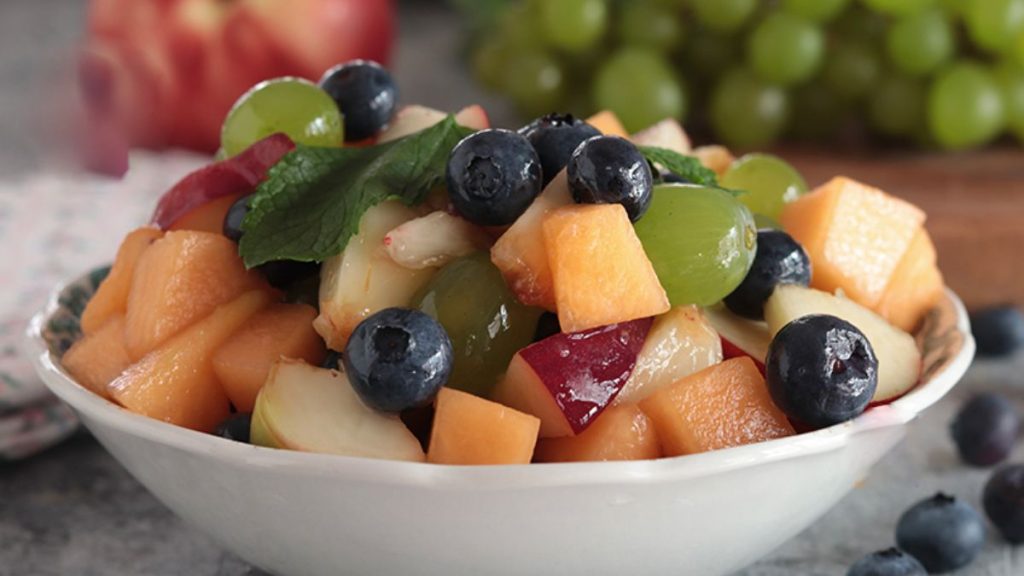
[[947, 73]]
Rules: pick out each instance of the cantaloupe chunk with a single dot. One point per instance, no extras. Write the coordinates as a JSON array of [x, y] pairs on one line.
[[279, 331], [916, 285], [601, 273], [111, 298], [608, 124], [855, 235], [181, 278], [98, 358], [722, 406], [520, 253], [207, 217], [717, 158], [620, 433], [470, 430], [176, 382]]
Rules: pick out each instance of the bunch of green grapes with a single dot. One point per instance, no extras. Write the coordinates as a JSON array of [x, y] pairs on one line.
[[750, 72]]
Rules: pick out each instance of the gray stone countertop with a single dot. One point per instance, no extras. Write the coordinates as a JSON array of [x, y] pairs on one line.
[[74, 511]]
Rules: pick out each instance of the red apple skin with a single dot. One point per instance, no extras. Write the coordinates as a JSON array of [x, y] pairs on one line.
[[730, 350], [238, 175], [584, 371]]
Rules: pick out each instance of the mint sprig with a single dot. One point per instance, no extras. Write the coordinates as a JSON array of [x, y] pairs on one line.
[[312, 200], [687, 167]]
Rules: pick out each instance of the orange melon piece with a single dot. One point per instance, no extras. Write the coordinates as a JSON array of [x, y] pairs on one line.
[[608, 124], [181, 278], [111, 298], [279, 331], [207, 217], [620, 433], [855, 235], [520, 253], [721, 406], [98, 358], [176, 382], [916, 286], [717, 158], [601, 274], [470, 430]]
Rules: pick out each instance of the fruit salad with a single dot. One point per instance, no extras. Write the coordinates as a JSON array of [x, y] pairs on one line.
[[363, 279]]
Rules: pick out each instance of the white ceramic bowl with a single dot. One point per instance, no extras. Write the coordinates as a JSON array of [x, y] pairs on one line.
[[300, 514]]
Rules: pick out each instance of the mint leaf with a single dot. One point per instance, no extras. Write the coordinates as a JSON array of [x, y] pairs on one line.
[[312, 200], [687, 167]]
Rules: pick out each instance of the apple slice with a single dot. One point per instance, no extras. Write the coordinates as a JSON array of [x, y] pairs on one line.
[[414, 118], [899, 360], [364, 279], [433, 240], [740, 336], [668, 134], [238, 175], [310, 409], [680, 342], [567, 380]]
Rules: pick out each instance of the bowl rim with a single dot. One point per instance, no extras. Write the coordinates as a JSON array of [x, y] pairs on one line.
[[497, 477]]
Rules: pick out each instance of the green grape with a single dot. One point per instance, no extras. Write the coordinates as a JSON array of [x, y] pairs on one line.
[[486, 324], [573, 25], [762, 222], [995, 24], [785, 49], [955, 7], [769, 181], [723, 15], [489, 62], [1010, 79], [896, 105], [861, 25], [640, 87], [709, 53], [898, 7], [220, 155], [535, 81], [746, 111], [820, 112], [294, 106], [700, 240], [816, 10], [852, 69], [648, 24], [918, 44], [965, 106]]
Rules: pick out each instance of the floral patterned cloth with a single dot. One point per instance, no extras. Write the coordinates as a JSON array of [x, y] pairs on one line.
[[53, 227]]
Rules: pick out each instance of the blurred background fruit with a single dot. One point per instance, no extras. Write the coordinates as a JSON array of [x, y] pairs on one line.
[[749, 73]]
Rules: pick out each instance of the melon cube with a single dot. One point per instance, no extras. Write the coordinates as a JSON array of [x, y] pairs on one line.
[[279, 331], [916, 285], [855, 236], [98, 358], [470, 430], [608, 124], [601, 273], [620, 433], [111, 298], [176, 382], [722, 406], [180, 279], [208, 217], [520, 253]]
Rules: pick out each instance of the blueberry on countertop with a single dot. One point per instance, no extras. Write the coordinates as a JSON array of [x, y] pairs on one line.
[[890, 562], [985, 429], [1003, 500], [998, 331], [944, 533]]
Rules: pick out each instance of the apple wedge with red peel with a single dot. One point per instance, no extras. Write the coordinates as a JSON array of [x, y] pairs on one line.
[[415, 118], [899, 360], [740, 336], [311, 409], [238, 175], [567, 380], [668, 134]]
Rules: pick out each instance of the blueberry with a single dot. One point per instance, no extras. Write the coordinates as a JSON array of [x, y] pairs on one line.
[[235, 427], [366, 95], [547, 325], [1003, 500], [555, 137], [985, 429], [942, 532], [611, 170], [332, 361], [891, 562], [232, 227], [670, 177], [398, 359], [779, 260], [493, 176], [998, 331], [284, 274], [821, 370]]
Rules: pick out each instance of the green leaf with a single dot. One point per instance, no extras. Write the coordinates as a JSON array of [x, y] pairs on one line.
[[312, 200]]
